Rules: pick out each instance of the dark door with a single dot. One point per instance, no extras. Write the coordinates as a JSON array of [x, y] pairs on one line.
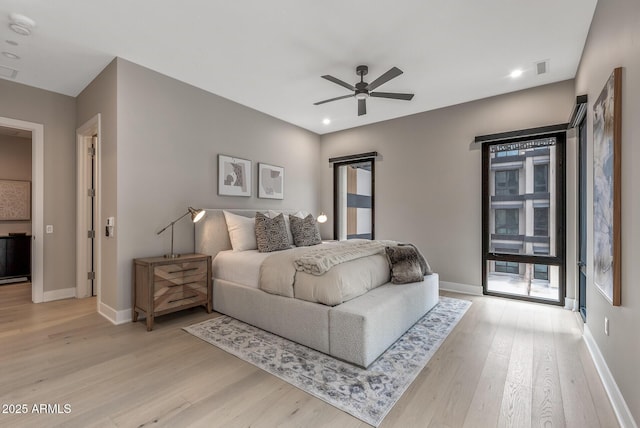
[[582, 219]]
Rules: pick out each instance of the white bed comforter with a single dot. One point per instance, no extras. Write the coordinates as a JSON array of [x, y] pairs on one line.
[[345, 279]]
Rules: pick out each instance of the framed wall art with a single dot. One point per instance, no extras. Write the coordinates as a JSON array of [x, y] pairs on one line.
[[270, 181], [15, 200], [607, 130], [234, 176]]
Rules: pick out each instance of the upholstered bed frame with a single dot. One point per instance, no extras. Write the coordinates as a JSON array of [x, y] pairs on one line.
[[357, 331]]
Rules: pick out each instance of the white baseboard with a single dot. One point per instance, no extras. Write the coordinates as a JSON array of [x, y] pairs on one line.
[[461, 288], [65, 293], [116, 317], [625, 418], [570, 304]]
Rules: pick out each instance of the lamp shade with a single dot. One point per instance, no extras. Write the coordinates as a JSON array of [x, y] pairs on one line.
[[196, 214], [322, 218]]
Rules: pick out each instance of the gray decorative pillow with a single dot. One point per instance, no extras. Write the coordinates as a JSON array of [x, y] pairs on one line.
[[305, 231], [271, 233], [405, 266]]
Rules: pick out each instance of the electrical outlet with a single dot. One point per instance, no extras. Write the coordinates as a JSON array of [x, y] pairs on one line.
[[49, 228], [606, 326]]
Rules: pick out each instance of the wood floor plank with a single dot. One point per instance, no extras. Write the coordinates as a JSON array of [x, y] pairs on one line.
[[506, 363], [547, 409]]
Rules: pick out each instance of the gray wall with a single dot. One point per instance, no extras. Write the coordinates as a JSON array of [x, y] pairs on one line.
[[100, 96], [15, 164], [614, 41], [168, 137], [57, 113], [428, 184]]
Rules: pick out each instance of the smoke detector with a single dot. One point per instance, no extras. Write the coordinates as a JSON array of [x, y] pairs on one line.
[[21, 24]]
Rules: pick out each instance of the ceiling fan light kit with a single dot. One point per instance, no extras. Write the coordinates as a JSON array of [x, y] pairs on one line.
[[363, 90]]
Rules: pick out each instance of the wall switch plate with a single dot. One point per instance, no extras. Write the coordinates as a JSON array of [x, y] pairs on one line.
[[49, 228], [606, 326]]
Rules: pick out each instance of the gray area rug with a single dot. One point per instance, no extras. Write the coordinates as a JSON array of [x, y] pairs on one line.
[[368, 394]]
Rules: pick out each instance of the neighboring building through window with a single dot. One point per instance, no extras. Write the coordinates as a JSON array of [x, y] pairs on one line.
[[541, 178], [507, 182], [541, 222], [507, 221]]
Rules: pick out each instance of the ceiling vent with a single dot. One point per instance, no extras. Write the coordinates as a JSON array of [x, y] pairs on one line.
[[8, 72], [542, 67]]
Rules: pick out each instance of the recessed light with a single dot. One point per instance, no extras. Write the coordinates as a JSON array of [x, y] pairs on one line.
[[11, 42], [21, 24], [326, 121], [10, 55], [516, 73]]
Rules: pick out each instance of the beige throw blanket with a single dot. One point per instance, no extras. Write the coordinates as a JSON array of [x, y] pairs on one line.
[[319, 261]]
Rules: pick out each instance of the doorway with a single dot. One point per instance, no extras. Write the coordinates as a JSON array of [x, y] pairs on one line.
[[37, 202], [88, 209]]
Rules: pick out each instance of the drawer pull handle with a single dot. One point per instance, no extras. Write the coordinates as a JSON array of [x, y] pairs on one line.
[[184, 298], [182, 270]]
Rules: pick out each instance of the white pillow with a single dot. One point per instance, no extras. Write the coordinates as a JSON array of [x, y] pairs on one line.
[[242, 231], [273, 214]]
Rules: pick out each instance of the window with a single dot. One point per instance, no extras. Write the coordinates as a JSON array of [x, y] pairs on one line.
[[541, 221], [507, 267], [541, 178], [507, 221], [506, 153], [541, 272], [523, 247], [353, 199], [507, 182]]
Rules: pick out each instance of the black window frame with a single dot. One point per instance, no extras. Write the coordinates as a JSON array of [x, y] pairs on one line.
[[559, 132], [350, 160]]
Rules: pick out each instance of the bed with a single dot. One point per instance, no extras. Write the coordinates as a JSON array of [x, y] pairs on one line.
[[357, 330]]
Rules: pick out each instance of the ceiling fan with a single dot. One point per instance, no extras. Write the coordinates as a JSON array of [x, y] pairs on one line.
[[362, 90]]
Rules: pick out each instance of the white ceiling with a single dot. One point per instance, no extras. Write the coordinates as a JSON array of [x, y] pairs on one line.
[[269, 55]]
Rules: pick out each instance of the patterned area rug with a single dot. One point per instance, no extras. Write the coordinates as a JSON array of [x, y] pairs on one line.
[[368, 394]]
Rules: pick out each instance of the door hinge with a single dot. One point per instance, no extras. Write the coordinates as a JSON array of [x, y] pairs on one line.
[[91, 275], [91, 193], [91, 234], [91, 151]]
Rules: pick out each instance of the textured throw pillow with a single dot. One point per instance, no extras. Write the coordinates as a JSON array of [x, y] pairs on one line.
[[305, 231], [271, 233], [274, 214], [242, 231], [405, 266]]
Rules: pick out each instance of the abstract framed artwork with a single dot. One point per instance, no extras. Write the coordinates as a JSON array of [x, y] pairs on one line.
[[607, 130], [15, 200], [234, 176], [270, 181]]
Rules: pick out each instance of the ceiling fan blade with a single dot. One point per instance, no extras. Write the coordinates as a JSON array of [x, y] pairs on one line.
[[393, 73], [334, 99], [393, 95], [362, 107], [339, 82]]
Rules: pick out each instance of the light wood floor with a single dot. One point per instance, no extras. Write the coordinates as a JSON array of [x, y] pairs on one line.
[[507, 363]]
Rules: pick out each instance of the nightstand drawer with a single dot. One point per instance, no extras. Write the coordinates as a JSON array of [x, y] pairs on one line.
[[179, 270], [174, 300], [167, 287]]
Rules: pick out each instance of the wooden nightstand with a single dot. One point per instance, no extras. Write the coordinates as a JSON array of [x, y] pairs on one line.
[[163, 285]]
